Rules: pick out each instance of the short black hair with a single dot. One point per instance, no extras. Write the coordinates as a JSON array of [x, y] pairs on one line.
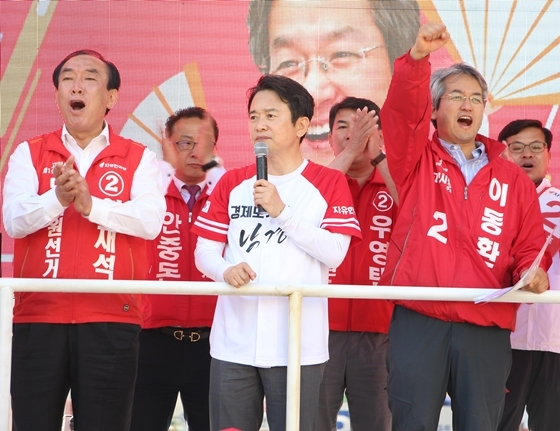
[[191, 112], [291, 92], [114, 81], [397, 20], [516, 126], [353, 103]]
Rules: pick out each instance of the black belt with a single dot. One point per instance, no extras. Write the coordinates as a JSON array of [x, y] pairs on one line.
[[191, 334]]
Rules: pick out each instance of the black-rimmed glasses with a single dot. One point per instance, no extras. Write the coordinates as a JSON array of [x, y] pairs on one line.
[[187, 144]]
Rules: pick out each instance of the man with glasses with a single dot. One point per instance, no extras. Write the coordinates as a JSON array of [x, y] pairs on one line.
[[467, 218], [335, 49], [534, 380], [174, 342]]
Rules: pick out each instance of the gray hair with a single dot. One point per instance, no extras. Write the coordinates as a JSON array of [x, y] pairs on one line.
[[437, 81]]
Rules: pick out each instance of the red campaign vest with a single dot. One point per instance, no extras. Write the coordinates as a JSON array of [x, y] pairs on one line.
[[72, 247], [171, 256], [364, 263]]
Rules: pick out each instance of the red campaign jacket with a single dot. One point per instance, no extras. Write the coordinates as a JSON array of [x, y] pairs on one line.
[[73, 247], [447, 233], [365, 262], [171, 255]]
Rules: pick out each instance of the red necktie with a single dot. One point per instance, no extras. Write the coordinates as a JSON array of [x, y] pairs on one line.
[[193, 191]]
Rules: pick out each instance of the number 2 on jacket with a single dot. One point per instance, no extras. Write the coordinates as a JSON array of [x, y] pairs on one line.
[[437, 228]]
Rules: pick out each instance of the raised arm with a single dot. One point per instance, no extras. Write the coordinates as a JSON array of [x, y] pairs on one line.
[[407, 110]]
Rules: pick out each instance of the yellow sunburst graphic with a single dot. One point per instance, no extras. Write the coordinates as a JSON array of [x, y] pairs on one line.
[[180, 91], [514, 44]]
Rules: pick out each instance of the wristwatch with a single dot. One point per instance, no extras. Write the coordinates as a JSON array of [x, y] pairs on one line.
[[378, 159]]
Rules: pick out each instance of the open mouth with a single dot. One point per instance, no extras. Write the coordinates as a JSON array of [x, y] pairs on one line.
[[527, 165], [77, 105], [465, 120], [318, 133]]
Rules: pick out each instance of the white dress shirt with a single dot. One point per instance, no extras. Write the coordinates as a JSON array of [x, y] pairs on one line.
[[25, 211]]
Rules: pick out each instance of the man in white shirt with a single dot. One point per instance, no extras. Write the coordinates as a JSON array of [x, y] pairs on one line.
[[80, 203], [534, 379], [306, 227]]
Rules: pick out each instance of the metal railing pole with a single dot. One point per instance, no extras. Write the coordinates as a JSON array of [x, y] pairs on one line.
[[8, 286], [6, 316], [294, 361]]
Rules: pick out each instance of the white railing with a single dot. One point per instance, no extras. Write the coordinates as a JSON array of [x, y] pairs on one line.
[[295, 293]]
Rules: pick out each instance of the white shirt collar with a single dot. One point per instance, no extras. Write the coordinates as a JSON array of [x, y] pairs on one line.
[[68, 139], [180, 183], [545, 183]]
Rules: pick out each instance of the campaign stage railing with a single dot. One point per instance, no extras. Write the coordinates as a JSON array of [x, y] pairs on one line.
[[295, 293]]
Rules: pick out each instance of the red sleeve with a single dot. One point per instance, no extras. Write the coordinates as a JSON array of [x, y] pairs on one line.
[[406, 116], [340, 215], [213, 220]]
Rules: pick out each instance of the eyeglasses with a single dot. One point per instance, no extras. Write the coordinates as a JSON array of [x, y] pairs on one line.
[[460, 98], [187, 144], [535, 147], [297, 68]]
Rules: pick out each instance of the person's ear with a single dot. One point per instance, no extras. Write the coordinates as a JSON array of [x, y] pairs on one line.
[[302, 124], [434, 113], [381, 141], [113, 98]]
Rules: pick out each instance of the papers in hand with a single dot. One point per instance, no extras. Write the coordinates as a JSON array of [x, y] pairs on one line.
[[525, 280]]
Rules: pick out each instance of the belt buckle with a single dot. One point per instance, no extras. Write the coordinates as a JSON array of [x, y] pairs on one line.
[[179, 334], [194, 336]]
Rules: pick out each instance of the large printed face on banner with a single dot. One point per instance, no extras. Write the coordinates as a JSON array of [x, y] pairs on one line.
[[335, 49], [334, 53], [175, 54]]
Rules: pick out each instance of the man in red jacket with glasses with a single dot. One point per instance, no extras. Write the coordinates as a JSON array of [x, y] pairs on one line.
[[467, 218]]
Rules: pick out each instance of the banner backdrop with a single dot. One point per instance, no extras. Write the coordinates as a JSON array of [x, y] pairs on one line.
[[175, 54]]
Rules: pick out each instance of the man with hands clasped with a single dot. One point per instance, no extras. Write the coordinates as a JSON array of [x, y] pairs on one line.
[[358, 339], [307, 228], [467, 218], [80, 203]]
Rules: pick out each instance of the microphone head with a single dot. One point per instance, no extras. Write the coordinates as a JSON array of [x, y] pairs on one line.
[[260, 149]]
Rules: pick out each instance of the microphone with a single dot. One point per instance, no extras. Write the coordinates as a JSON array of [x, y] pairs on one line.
[[261, 151]]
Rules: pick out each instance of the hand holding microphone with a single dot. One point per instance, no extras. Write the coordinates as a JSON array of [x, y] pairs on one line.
[[261, 151], [265, 193]]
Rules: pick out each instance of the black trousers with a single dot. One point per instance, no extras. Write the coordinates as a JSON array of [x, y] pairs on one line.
[[428, 357], [97, 361], [534, 381], [168, 367]]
